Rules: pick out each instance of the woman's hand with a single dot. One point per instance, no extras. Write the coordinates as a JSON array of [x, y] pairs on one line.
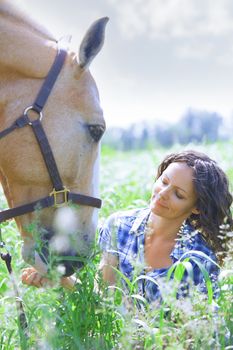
[[32, 277]]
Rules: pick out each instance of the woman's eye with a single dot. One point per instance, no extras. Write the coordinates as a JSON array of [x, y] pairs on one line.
[[179, 195]]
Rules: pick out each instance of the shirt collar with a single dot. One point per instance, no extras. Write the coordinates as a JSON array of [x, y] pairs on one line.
[[184, 243], [140, 222]]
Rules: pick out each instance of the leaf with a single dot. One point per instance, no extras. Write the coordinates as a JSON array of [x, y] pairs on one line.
[[148, 278], [181, 268], [206, 278], [139, 297]]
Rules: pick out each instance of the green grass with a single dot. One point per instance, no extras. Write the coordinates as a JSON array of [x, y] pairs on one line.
[[91, 318]]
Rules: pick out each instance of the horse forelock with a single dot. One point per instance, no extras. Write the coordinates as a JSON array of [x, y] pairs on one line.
[[9, 10], [20, 39]]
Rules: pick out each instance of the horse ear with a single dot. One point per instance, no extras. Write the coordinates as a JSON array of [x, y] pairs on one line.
[[92, 42]]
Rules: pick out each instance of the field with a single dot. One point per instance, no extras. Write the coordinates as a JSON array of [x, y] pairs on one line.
[[90, 318]]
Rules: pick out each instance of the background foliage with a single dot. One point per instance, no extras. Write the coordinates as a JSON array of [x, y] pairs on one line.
[[91, 318]]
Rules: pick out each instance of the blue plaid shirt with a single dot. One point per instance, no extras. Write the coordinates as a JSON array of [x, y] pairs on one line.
[[123, 234]]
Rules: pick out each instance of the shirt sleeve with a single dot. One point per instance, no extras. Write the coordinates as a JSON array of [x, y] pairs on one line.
[[108, 234]]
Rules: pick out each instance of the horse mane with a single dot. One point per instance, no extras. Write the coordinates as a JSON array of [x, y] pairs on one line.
[[12, 11]]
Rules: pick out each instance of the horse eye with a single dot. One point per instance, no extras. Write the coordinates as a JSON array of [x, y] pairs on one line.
[[96, 131]]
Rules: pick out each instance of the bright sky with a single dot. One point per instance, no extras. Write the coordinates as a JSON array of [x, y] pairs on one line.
[[160, 56]]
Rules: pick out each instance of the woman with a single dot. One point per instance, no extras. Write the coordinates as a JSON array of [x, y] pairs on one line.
[[190, 201]]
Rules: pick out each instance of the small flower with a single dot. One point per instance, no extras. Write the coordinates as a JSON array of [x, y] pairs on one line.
[[225, 274]]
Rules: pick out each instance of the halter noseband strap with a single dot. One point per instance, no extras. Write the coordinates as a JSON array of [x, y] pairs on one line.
[[54, 198]]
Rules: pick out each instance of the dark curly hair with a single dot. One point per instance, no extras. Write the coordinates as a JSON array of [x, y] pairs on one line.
[[213, 196]]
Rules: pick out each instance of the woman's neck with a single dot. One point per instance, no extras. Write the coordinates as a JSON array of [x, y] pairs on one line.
[[163, 228]]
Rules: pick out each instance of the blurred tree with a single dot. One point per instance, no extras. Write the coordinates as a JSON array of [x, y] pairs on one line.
[[195, 126], [198, 126], [164, 135]]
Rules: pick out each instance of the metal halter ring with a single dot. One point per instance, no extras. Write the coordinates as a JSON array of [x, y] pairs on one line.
[[34, 110]]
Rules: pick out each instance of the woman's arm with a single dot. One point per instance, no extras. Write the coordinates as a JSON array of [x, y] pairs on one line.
[[108, 261]]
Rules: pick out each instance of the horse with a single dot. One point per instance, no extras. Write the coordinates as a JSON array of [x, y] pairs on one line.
[[51, 123]]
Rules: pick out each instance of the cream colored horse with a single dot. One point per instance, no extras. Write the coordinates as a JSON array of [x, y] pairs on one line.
[[73, 121]]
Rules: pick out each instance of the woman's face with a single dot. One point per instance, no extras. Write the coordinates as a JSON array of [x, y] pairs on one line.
[[173, 195]]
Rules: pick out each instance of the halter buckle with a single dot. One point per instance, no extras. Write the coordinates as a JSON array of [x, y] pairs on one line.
[[58, 201]]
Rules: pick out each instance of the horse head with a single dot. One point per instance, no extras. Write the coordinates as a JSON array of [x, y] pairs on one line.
[[73, 123]]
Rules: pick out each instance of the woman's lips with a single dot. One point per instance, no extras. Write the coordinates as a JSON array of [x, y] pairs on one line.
[[161, 204]]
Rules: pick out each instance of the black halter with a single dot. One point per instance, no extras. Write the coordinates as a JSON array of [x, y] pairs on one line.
[[60, 195]]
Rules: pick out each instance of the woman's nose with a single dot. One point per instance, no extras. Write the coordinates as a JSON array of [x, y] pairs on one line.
[[164, 193]]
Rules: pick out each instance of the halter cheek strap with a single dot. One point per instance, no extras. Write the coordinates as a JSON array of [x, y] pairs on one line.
[[60, 195]]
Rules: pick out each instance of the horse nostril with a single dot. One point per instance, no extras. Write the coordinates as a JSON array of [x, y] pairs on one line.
[[65, 264], [69, 266]]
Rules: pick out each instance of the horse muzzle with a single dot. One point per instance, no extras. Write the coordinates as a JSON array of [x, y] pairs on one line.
[[67, 264], [63, 254]]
